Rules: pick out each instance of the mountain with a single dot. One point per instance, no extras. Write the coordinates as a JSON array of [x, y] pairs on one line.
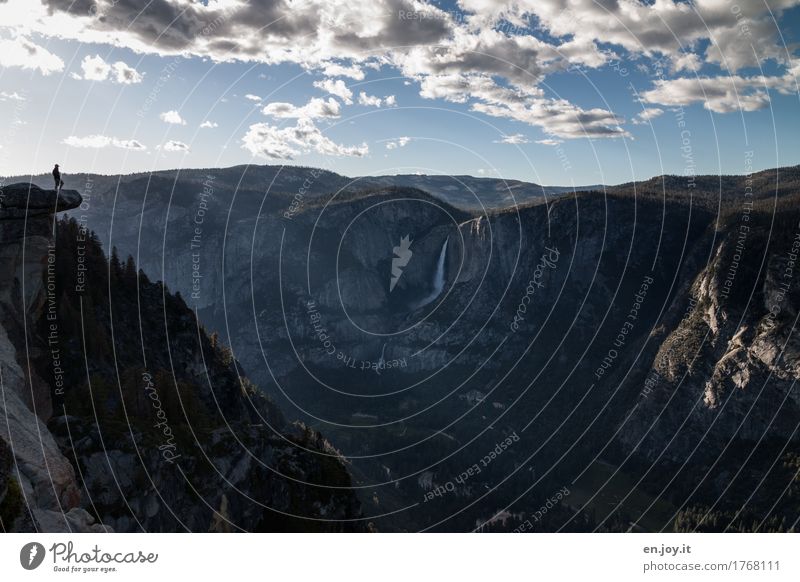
[[465, 192], [476, 194], [601, 360], [122, 414]]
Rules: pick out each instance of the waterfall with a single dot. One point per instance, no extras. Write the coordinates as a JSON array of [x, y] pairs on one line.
[[438, 278]]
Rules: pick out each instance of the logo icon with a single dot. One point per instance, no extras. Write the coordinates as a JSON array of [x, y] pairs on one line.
[[403, 254], [31, 555]]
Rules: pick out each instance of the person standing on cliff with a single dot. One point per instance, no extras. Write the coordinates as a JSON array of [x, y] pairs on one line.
[[57, 178]]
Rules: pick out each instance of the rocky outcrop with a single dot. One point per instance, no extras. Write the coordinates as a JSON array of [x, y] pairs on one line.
[[48, 493], [727, 371], [24, 200]]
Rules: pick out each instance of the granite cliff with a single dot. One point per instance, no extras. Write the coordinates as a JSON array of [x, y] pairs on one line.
[[122, 414]]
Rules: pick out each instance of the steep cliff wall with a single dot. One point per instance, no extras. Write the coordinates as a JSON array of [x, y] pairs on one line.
[[123, 415], [46, 490]]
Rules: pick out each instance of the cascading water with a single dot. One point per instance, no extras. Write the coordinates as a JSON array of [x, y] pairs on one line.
[[438, 278]]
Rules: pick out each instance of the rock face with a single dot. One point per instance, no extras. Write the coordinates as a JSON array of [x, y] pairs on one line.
[[81, 456], [48, 496], [728, 369], [23, 200]]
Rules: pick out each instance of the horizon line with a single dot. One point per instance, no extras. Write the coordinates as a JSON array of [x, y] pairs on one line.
[[3, 178]]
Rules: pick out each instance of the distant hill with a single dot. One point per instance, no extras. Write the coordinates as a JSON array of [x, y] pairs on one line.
[[474, 194], [471, 193]]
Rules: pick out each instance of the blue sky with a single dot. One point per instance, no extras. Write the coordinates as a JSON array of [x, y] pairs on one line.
[[442, 91]]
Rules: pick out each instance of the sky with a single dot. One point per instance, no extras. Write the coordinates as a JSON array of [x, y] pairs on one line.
[[557, 92]]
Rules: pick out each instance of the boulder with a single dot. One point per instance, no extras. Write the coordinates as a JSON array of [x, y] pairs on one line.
[[23, 199]]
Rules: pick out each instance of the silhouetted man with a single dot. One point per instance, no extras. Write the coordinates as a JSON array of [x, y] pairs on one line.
[[57, 178]]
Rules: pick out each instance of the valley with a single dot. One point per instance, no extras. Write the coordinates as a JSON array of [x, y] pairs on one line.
[[600, 333]]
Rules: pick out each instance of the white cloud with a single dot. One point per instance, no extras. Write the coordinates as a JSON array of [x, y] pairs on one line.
[[398, 143], [21, 52], [369, 100], [172, 117], [528, 105], [336, 70], [208, 125], [103, 141], [557, 117], [125, 75], [723, 94], [97, 69], [175, 146], [252, 97], [523, 60], [390, 101], [739, 38], [336, 88], [647, 115], [460, 59], [550, 141], [314, 109], [285, 143], [514, 139], [686, 62]]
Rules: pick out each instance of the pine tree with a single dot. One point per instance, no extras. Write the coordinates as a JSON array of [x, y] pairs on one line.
[[116, 268], [130, 270]]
